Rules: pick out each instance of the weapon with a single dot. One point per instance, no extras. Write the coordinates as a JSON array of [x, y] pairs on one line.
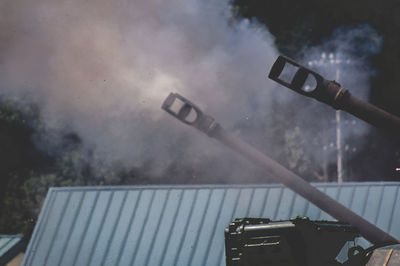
[[331, 93], [190, 114], [298, 241]]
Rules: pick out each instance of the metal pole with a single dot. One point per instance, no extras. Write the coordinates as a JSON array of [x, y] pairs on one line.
[[339, 140], [207, 125], [339, 152]]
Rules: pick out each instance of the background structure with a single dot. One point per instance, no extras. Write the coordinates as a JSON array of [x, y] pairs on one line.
[[179, 225]]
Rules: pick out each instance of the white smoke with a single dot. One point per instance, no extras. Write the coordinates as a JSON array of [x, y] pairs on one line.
[[102, 69], [343, 57]]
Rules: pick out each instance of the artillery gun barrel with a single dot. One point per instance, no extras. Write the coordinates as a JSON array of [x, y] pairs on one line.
[[371, 114], [190, 114], [311, 84]]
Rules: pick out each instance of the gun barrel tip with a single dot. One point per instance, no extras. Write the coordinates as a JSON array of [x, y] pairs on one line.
[[169, 100]]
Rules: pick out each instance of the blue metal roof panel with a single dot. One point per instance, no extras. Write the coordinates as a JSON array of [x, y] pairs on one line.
[[7, 242], [179, 225], [10, 246]]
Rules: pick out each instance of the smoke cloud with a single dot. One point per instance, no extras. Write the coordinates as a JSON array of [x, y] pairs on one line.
[[102, 68], [343, 57]]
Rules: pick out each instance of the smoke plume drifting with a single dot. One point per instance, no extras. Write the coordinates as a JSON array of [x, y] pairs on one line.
[[102, 68], [343, 57]]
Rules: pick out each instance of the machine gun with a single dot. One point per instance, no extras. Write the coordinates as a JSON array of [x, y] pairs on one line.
[[294, 242]]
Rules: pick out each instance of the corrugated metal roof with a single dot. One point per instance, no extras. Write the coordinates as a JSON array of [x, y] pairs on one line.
[[10, 246], [179, 225]]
